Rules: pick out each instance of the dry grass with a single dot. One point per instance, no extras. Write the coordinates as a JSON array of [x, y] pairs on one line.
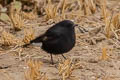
[[105, 18], [112, 23], [116, 25], [16, 19], [28, 35], [6, 75], [86, 7], [50, 10], [104, 11], [53, 10], [116, 21], [8, 39], [66, 68], [33, 72], [104, 54], [30, 15], [17, 22], [89, 6], [62, 10]]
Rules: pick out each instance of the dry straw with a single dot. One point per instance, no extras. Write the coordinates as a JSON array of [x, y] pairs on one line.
[[33, 72], [112, 23], [16, 19], [88, 6], [6, 75], [106, 19], [63, 8], [104, 54], [50, 10], [30, 15], [116, 21], [28, 35], [116, 25], [8, 39], [66, 68]]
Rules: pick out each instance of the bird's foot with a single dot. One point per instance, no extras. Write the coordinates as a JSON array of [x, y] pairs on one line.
[[63, 56]]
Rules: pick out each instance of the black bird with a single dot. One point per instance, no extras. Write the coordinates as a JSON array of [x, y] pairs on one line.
[[58, 39]]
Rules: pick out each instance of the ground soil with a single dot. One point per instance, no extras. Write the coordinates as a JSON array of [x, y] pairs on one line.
[[87, 51]]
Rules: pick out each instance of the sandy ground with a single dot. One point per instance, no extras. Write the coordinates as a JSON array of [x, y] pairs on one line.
[[87, 51]]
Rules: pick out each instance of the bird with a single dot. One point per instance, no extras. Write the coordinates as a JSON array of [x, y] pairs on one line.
[[58, 39]]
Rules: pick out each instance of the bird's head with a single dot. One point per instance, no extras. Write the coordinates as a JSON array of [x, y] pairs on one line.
[[67, 23]]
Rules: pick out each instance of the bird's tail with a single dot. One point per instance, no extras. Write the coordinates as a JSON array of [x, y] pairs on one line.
[[36, 40]]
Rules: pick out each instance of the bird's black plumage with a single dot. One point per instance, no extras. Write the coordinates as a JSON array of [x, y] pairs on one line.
[[58, 39]]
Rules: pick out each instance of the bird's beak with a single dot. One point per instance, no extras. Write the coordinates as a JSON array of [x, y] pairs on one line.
[[75, 25]]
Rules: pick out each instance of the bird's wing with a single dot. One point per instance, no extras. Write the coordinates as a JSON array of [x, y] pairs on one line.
[[53, 33], [50, 34]]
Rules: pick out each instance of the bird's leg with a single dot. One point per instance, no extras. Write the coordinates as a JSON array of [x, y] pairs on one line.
[[51, 59], [63, 56]]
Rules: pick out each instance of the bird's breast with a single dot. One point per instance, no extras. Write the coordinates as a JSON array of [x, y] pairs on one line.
[[59, 46]]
